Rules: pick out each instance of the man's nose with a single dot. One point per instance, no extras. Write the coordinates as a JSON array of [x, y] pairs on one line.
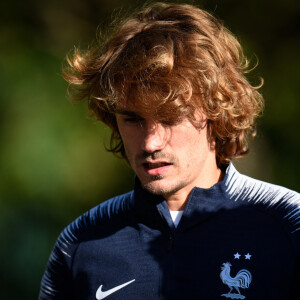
[[154, 136]]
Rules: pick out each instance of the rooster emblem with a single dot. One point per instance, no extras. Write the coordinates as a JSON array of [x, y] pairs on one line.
[[242, 280]]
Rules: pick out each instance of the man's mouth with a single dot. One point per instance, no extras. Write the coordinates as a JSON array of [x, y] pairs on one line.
[[156, 168], [156, 165]]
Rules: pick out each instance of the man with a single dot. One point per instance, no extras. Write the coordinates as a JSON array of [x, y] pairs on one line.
[[170, 84]]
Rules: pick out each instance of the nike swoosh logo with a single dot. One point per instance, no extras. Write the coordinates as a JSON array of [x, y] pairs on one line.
[[101, 295]]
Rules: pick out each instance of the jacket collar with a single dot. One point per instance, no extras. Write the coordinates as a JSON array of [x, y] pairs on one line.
[[201, 204]]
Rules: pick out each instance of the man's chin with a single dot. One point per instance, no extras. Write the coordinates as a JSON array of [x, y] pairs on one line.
[[160, 187], [155, 185]]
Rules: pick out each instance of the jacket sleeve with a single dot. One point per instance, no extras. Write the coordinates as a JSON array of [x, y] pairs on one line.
[[57, 279], [296, 279]]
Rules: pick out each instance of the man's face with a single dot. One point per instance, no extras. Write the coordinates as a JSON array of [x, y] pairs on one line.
[[166, 159]]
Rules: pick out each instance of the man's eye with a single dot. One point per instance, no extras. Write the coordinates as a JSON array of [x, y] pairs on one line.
[[133, 120]]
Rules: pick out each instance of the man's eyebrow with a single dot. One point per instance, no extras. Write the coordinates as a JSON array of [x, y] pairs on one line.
[[127, 113]]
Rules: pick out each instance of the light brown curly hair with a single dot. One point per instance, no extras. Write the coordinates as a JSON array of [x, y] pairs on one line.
[[170, 61]]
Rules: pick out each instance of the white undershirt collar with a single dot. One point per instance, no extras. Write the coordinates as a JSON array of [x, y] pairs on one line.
[[176, 216]]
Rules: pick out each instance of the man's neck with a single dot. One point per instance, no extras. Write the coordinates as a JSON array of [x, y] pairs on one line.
[[177, 201]]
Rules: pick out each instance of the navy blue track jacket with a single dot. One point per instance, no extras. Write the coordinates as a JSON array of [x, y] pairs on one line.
[[239, 239]]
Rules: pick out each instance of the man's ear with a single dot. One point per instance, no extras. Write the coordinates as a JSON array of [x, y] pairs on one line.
[[210, 136]]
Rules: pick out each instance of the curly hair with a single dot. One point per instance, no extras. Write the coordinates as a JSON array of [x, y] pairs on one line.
[[170, 61]]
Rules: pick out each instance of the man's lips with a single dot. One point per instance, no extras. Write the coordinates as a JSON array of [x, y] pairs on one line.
[[156, 167]]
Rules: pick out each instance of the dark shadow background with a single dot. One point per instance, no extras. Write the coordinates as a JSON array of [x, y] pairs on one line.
[[53, 163]]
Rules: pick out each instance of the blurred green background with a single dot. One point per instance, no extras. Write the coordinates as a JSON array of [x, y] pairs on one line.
[[53, 163]]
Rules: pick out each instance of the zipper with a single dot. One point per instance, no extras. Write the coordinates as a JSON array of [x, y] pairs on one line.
[[169, 232], [170, 242]]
